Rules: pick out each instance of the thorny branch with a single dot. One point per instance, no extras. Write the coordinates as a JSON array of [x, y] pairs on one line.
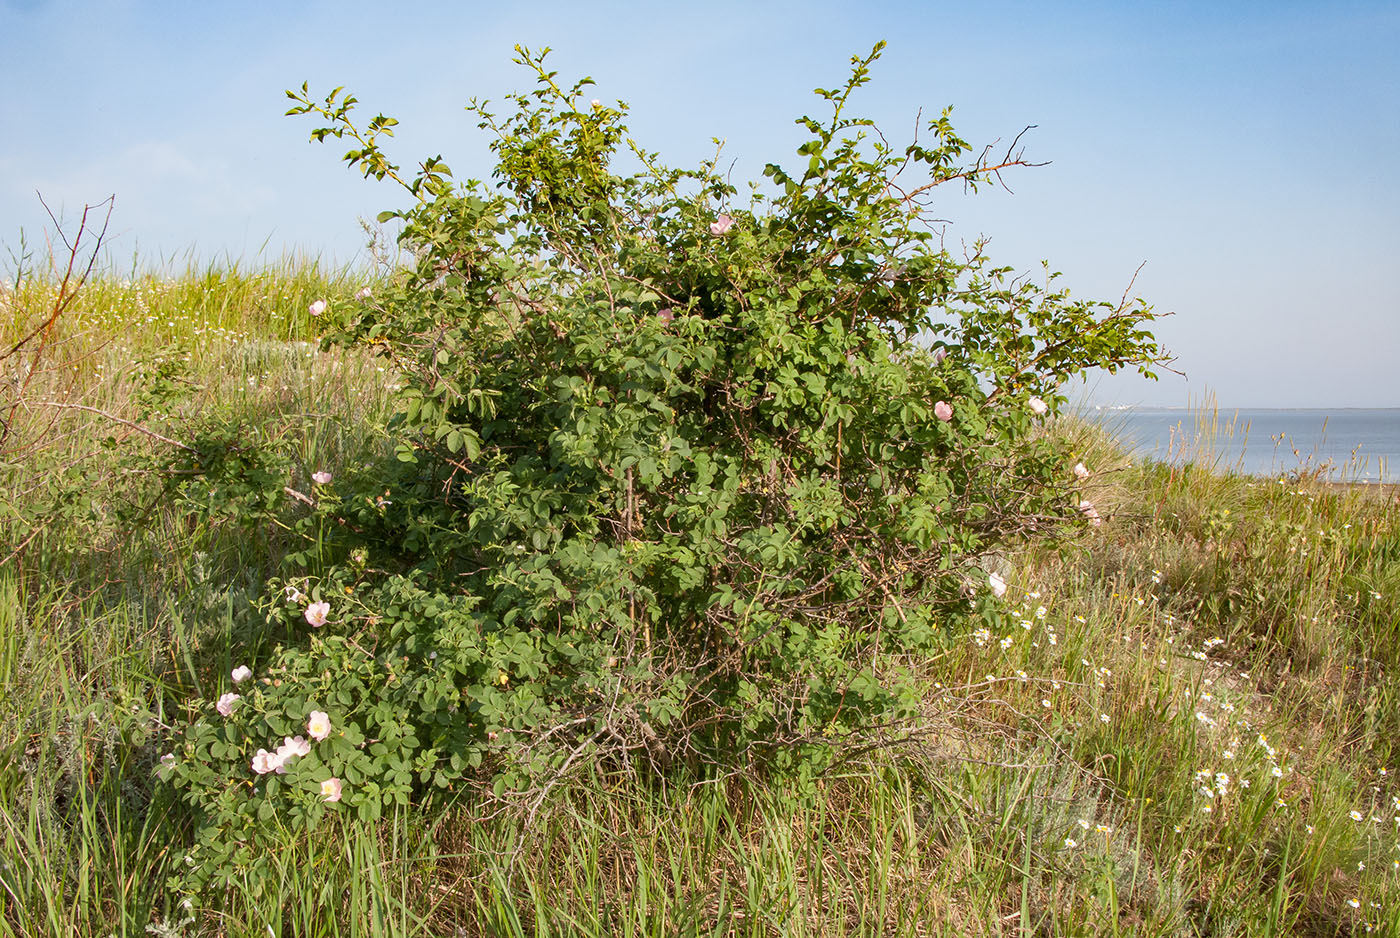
[[982, 169]]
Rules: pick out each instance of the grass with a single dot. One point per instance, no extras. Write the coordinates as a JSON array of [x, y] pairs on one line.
[[1187, 728]]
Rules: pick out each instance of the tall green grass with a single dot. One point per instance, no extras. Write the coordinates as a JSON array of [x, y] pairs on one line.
[[1221, 642]]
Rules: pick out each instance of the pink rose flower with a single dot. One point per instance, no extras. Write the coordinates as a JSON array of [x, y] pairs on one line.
[[321, 478], [318, 725], [225, 704], [997, 584], [317, 613], [1037, 406], [363, 294], [1081, 471], [294, 746], [331, 789], [291, 748], [1090, 512], [265, 762], [943, 411], [721, 225], [317, 308], [241, 673]]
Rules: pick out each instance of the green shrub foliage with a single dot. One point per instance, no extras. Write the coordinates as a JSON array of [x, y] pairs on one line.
[[684, 474]]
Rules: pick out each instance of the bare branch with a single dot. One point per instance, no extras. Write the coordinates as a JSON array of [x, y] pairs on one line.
[[121, 420]]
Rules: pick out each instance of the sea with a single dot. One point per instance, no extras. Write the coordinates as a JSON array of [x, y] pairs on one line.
[[1340, 444]]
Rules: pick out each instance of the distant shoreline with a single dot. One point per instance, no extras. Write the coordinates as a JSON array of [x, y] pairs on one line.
[[1164, 409], [1358, 443], [1385, 488]]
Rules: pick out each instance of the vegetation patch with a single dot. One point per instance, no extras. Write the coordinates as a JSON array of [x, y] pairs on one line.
[[638, 557]]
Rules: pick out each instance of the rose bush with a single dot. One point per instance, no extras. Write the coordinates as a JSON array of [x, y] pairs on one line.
[[684, 475]]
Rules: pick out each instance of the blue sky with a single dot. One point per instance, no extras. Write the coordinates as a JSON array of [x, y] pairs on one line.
[[1244, 151]]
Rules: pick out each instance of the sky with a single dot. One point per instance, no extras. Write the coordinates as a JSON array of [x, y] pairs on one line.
[[1242, 154]]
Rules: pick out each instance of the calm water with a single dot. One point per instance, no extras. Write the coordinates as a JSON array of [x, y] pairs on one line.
[[1360, 444]]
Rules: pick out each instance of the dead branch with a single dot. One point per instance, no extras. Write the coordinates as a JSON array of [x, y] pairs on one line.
[[121, 420]]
